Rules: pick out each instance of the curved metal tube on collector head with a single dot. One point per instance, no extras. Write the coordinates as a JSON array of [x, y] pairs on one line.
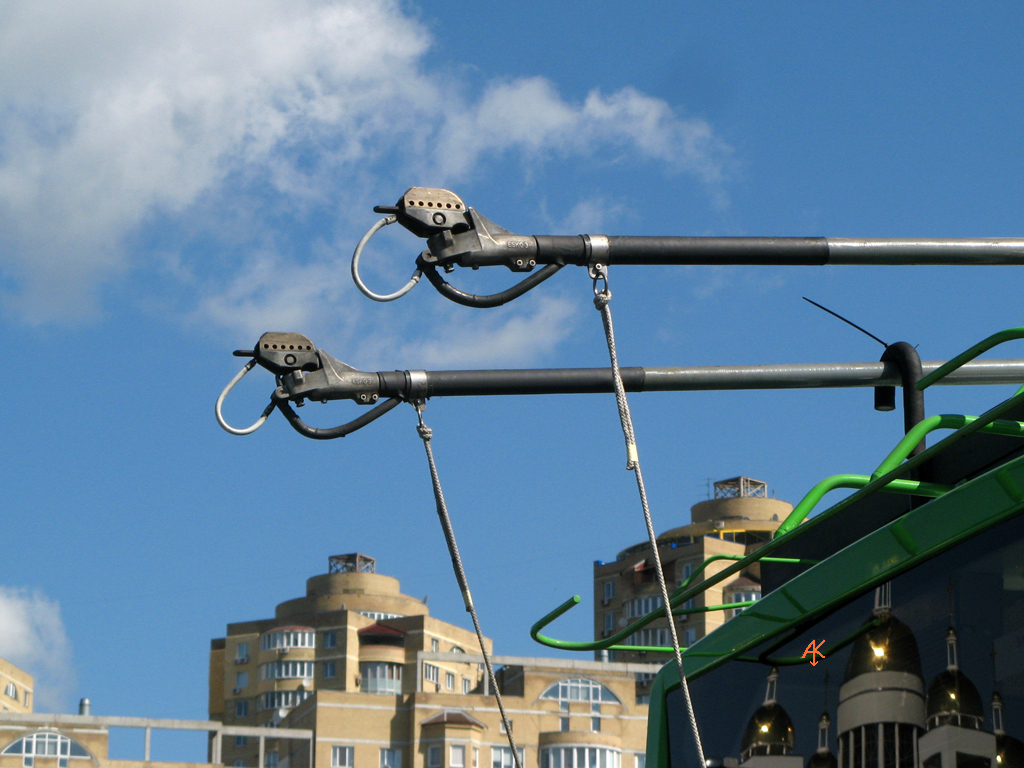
[[220, 404], [452, 293], [332, 432]]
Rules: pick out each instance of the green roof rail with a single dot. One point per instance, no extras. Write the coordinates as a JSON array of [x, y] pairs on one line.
[[969, 354], [883, 479], [680, 595]]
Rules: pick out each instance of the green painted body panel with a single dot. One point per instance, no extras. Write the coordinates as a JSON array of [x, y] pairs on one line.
[[894, 548]]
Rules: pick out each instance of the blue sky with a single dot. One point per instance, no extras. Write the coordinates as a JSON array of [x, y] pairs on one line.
[[175, 181]]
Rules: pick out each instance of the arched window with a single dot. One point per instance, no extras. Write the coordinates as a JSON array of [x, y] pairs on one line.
[[580, 689], [46, 744]]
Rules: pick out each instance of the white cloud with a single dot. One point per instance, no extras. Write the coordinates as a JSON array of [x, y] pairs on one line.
[[32, 637], [497, 338], [530, 115], [115, 114]]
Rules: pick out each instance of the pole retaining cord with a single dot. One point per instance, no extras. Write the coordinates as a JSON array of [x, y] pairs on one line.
[[602, 300], [426, 433]]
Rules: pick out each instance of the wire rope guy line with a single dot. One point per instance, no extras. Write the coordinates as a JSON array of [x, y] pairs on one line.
[[426, 434], [602, 301]]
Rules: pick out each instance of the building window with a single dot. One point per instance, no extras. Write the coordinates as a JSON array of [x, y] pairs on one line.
[[563, 724], [467, 685], [391, 758], [609, 622], [689, 604], [28, 700], [449, 681], [457, 756], [457, 649], [330, 639], [240, 741], [241, 708], [380, 615], [11, 691], [431, 673], [689, 637], [286, 670], [476, 757], [342, 757], [270, 760], [580, 757], [501, 757], [46, 744], [242, 653], [641, 761], [434, 756], [595, 716], [650, 637], [742, 597], [609, 590], [282, 699], [241, 679], [288, 638], [580, 689], [641, 606], [239, 763], [435, 645], [330, 669], [511, 726], [380, 677]]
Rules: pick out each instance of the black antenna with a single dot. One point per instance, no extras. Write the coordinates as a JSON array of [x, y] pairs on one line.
[[848, 322]]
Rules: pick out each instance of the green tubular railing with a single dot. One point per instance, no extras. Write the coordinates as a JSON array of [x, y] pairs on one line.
[[810, 501], [612, 643], [889, 480], [885, 478], [892, 461], [943, 421], [969, 354]]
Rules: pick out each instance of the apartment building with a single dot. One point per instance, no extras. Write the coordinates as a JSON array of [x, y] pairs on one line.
[[739, 519], [16, 688], [382, 684]]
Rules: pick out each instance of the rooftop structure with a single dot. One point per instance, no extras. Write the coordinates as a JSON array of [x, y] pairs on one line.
[[383, 684], [738, 520]]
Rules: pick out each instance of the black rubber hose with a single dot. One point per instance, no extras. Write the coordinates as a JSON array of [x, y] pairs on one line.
[[332, 432], [452, 293]]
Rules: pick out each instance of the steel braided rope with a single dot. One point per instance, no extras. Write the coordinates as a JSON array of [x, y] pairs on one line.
[[602, 300], [426, 433]]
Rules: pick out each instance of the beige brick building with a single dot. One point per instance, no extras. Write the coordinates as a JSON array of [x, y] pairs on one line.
[[382, 684], [740, 519], [38, 740], [16, 688]]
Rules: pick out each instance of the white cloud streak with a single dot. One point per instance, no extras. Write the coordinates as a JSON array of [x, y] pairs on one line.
[[32, 637], [115, 114]]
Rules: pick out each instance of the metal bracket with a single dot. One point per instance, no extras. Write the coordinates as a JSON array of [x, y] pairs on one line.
[[597, 249]]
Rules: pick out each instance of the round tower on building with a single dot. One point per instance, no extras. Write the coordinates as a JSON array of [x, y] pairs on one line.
[[881, 702], [955, 718], [769, 730], [1009, 751], [952, 698], [823, 758]]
